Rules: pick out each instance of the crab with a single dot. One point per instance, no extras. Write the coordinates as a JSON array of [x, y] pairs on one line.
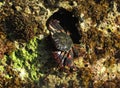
[[64, 50]]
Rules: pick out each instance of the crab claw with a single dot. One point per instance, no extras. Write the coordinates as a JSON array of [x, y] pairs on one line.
[[57, 56], [63, 59]]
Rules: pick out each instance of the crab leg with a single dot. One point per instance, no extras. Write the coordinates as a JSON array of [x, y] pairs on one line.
[[61, 58], [54, 26]]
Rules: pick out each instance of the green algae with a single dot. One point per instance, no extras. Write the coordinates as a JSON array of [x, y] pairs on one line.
[[25, 61]]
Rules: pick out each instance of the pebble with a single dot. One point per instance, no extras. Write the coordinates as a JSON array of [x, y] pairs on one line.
[[18, 8], [118, 68], [27, 10]]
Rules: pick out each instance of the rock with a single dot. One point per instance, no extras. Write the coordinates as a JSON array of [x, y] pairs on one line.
[[118, 20], [27, 10], [18, 8]]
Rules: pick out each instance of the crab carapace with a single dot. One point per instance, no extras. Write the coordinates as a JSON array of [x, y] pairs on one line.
[[64, 48]]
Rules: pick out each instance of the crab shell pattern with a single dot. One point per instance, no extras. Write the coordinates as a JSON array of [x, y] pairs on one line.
[[63, 44]]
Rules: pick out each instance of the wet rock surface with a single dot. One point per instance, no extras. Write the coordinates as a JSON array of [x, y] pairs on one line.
[[26, 55]]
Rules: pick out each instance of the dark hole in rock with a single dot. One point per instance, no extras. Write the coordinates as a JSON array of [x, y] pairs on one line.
[[118, 8], [117, 54], [69, 22], [97, 1], [99, 51], [86, 65], [71, 3], [51, 3], [108, 30]]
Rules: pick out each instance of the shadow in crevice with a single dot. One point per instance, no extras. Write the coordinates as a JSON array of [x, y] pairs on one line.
[[45, 55], [69, 22]]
